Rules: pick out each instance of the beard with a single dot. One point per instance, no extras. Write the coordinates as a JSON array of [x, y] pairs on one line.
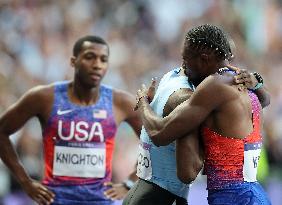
[[195, 80]]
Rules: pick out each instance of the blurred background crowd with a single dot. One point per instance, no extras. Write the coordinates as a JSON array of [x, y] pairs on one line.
[[145, 38]]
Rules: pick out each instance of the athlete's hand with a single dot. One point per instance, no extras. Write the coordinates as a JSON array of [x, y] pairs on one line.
[[38, 192], [152, 89], [145, 92], [141, 93], [237, 70], [243, 78], [246, 78], [115, 191]]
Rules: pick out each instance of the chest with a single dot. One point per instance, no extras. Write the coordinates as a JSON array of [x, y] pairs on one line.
[[82, 124]]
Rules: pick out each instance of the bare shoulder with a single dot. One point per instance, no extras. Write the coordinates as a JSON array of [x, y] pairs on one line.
[[123, 104], [40, 94], [179, 96], [36, 102], [42, 90], [123, 99], [219, 86], [176, 98]]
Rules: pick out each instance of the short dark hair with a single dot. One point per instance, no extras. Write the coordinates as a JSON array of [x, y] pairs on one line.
[[94, 39], [209, 38]]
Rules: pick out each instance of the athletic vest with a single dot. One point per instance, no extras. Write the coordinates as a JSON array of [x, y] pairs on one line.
[[158, 164], [232, 161], [78, 144]]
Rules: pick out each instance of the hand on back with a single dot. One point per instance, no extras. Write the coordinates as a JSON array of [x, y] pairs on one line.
[[244, 78]]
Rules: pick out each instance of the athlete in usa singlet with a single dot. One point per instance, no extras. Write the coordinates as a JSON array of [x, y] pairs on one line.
[[78, 148], [231, 165]]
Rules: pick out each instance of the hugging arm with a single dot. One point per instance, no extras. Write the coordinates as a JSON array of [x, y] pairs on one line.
[[187, 116], [249, 80], [189, 156], [189, 152], [263, 96]]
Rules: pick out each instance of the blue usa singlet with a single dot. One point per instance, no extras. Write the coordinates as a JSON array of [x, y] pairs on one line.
[[78, 148], [158, 164]]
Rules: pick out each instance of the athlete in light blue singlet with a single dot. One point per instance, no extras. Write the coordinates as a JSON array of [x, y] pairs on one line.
[[227, 114], [157, 167]]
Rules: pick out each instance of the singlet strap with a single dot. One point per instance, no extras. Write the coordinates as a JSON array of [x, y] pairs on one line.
[[255, 111]]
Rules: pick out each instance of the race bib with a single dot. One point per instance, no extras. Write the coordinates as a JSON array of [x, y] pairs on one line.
[[80, 161], [144, 167], [251, 160]]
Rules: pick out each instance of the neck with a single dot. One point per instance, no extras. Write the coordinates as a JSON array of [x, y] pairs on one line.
[[84, 95], [212, 69], [221, 64]]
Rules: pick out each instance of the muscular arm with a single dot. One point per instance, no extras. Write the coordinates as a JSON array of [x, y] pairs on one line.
[[30, 105], [187, 116], [11, 121], [189, 154], [123, 111], [263, 96], [249, 80]]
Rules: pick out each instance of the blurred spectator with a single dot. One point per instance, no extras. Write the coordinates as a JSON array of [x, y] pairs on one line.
[[145, 38]]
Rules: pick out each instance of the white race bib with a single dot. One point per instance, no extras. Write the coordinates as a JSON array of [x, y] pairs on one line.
[[144, 167], [79, 162], [251, 160]]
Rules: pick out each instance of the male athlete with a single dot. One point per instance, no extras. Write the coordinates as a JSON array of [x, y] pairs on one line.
[[158, 183], [156, 169], [79, 119], [229, 118]]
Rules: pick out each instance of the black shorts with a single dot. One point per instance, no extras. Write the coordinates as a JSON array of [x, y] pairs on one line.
[[148, 193]]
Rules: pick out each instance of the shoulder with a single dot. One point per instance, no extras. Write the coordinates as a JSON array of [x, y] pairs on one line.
[[216, 80], [39, 97], [122, 97], [180, 95], [216, 87], [41, 92], [36, 101], [123, 101], [176, 98]]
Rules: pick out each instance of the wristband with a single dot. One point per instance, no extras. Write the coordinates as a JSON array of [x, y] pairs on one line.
[[258, 77], [128, 183], [259, 85]]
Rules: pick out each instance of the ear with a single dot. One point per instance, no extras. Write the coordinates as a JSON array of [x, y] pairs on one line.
[[205, 59], [72, 61]]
